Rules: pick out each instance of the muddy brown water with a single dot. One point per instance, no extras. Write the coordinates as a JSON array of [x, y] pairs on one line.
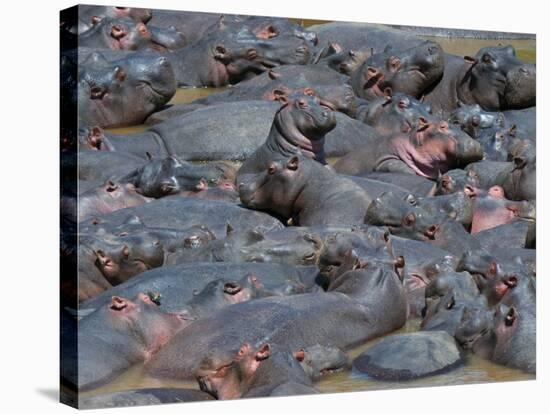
[[474, 370]]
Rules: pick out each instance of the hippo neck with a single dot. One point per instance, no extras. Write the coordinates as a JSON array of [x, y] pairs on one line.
[[284, 138]]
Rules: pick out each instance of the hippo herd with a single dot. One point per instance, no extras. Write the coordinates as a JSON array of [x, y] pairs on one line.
[[344, 179]]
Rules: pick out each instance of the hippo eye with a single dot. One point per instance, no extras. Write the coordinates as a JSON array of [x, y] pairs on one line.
[[451, 304], [409, 219]]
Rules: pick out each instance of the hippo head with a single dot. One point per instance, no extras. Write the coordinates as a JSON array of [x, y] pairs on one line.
[[343, 61], [151, 326], [128, 256], [158, 178], [471, 119], [105, 88], [496, 79], [433, 148], [456, 180], [395, 113], [401, 217], [300, 250], [475, 331], [269, 28], [93, 138], [123, 33], [318, 360], [135, 13], [304, 120], [410, 71], [227, 374], [275, 188], [285, 49]]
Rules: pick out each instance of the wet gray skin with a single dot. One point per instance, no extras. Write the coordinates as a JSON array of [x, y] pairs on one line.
[[105, 88]]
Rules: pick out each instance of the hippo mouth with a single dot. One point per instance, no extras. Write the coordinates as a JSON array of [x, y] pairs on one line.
[[373, 85]]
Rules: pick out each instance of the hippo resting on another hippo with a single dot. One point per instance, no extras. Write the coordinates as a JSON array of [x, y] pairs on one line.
[[494, 78], [303, 187], [175, 286], [299, 127], [244, 127], [124, 91], [229, 56], [362, 304], [88, 15], [409, 71], [429, 150]]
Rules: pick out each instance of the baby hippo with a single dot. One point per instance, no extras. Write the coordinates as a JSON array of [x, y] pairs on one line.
[[298, 186]]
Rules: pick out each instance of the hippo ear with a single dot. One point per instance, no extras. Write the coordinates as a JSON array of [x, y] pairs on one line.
[[387, 49], [263, 352], [118, 303], [120, 74], [280, 95], [492, 270], [299, 355], [96, 20], [293, 163], [228, 229], [201, 185], [334, 48], [470, 60], [512, 131], [273, 75], [388, 93]]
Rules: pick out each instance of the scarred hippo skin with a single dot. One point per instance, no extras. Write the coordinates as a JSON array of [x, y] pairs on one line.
[[340, 318], [493, 209], [303, 187], [299, 127], [286, 80], [166, 176], [253, 246], [118, 33], [493, 78], [108, 198], [178, 212], [88, 15], [364, 36], [252, 372], [411, 71], [433, 148], [106, 87], [176, 284], [409, 356], [145, 396], [120, 334], [244, 127], [393, 112]]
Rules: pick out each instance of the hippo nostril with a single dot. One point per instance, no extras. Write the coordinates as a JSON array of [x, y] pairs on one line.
[[97, 92]]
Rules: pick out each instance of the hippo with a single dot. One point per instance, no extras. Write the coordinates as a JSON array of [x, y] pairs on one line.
[[165, 176], [285, 80], [299, 127], [345, 61], [488, 173], [473, 120], [176, 213], [393, 113], [106, 88], [229, 56], [318, 361], [368, 36], [521, 182], [89, 15], [252, 372], [411, 71], [143, 396], [193, 25], [175, 286], [354, 310], [120, 33], [409, 356], [494, 78], [254, 246], [108, 198], [492, 209], [432, 149], [302, 187], [244, 125], [118, 335], [456, 180]]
